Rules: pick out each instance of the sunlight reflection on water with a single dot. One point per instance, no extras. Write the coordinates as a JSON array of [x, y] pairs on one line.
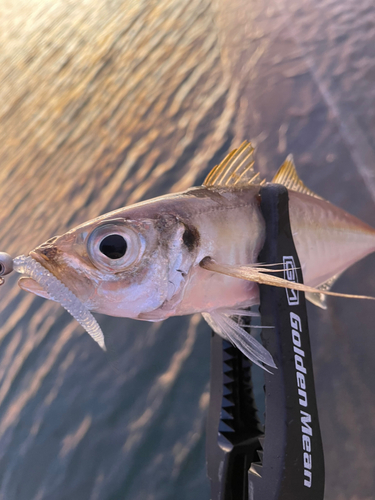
[[107, 103]]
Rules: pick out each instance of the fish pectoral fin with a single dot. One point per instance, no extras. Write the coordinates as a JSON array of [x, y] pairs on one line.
[[237, 168], [224, 326], [262, 276], [288, 177], [319, 299]]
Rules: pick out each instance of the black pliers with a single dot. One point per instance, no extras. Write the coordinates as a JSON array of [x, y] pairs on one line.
[[284, 459]]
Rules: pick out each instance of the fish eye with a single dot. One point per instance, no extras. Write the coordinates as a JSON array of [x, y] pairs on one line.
[[114, 247]]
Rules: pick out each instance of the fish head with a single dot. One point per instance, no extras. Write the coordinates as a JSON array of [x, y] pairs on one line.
[[121, 266]]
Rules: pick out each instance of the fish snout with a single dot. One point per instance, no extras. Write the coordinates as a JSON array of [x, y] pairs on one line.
[[46, 255]]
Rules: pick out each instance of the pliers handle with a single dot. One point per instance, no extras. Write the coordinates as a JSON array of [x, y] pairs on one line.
[[284, 459]]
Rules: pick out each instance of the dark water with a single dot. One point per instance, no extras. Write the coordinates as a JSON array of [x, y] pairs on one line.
[[104, 103]]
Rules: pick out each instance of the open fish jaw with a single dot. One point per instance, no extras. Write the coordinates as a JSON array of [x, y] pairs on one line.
[[61, 294]]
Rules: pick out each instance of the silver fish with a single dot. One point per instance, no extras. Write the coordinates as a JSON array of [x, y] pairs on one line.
[[197, 251]]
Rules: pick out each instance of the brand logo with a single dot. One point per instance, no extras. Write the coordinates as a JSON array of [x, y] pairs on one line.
[[301, 372], [290, 274]]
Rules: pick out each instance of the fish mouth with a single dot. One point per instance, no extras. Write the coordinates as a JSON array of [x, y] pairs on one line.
[[29, 284], [40, 279]]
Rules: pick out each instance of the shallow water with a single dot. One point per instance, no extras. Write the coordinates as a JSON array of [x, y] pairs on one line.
[[106, 103]]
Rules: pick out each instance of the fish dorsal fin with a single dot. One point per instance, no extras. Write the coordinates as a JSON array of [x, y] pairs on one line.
[[237, 168], [319, 299], [288, 177]]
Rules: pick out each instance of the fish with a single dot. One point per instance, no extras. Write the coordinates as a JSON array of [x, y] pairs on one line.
[[196, 252]]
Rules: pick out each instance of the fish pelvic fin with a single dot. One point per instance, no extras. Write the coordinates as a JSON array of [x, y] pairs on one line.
[[288, 177], [222, 324], [236, 169], [262, 275]]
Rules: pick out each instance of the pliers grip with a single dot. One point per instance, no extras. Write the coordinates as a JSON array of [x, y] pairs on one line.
[[284, 460]]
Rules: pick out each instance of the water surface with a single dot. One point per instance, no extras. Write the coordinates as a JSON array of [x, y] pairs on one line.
[[109, 102]]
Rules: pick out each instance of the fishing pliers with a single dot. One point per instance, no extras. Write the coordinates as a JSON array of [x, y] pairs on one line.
[[282, 459]]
